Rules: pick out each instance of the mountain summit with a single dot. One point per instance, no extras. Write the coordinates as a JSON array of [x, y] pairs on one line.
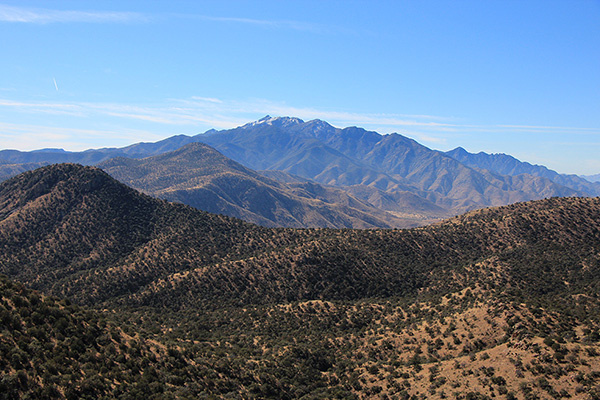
[[376, 166], [281, 122]]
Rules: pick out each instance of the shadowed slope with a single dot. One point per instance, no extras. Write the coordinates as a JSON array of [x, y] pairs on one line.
[[74, 230]]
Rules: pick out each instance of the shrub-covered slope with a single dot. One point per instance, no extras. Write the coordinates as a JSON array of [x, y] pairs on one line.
[[497, 303], [52, 349], [74, 231]]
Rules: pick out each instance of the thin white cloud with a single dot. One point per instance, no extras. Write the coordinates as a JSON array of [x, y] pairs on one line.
[[46, 16], [533, 129], [147, 118], [207, 99], [197, 114], [592, 165], [278, 24], [193, 113], [43, 107], [32, 137], [546, 128]]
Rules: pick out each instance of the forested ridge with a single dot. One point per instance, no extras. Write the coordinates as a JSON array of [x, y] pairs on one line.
[[254, 312]]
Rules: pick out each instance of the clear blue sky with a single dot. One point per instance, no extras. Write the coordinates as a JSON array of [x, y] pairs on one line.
[[518, 77]]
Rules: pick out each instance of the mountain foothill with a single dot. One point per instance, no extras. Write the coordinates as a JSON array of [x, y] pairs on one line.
[[117, 282]]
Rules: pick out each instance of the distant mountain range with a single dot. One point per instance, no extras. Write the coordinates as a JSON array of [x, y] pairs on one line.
[[388, 164], [381, 180], [592, 178], [508, 165]]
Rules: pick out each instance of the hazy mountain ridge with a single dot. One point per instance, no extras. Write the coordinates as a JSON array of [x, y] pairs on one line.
[[592, 178], [508, 165], [94, 156], [387, 173]]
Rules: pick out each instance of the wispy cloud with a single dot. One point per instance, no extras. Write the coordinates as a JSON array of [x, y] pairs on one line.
[[43, 107], [592, 165], [31, 137], [266, 23], [198, 114], [46, 16], [545, 128], [208, 99]]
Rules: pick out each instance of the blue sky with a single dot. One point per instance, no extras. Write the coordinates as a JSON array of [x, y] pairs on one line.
[[501, 76]]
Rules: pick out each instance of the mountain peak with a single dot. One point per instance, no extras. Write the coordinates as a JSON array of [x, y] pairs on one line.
[[281, 122], [318, 125], [63, 183], [458, 150], [49, 150]]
